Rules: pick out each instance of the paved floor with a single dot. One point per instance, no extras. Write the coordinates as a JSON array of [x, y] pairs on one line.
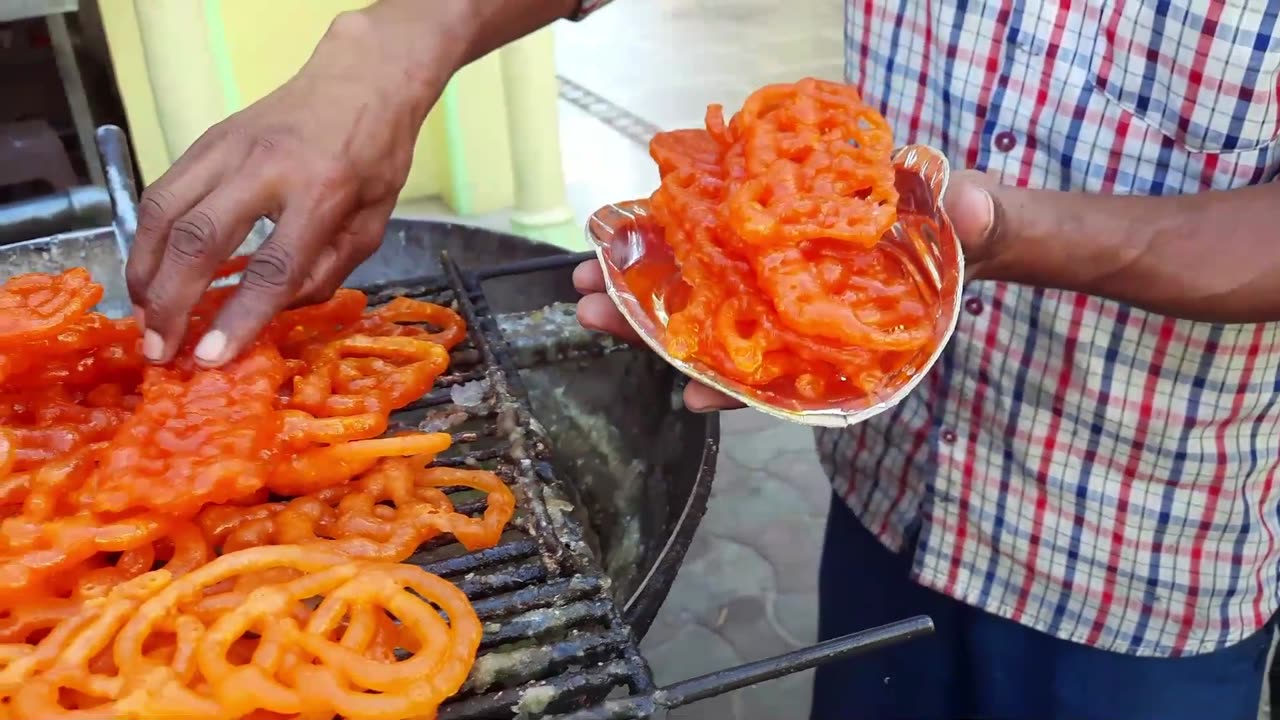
[[748, 586], [747, 589]]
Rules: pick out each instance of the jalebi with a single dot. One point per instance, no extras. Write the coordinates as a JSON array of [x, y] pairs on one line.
[[776, 222], [142, 651], [195, 440], [386, 514], [149, 565], [38, 306]]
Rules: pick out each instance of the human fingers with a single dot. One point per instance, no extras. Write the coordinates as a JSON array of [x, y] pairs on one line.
[[976, 214], [186, 183], [597, 312], [702, 399], [197, 244], [358, 240], [588, 277], [271, 280]]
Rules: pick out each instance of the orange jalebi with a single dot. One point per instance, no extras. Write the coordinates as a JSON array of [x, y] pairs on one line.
[[145, 569], [143, 652], [776, 222], [386, 514], [37, 306], [195, 440], [86, 353], [37, 609]]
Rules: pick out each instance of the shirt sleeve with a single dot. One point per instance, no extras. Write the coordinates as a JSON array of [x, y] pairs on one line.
[[586, 7]]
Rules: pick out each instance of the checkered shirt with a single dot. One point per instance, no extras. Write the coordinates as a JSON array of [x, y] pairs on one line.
[[1085, 468]]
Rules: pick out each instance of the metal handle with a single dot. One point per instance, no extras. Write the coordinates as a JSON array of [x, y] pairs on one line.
[[113, 148], [66, 211], [520, 267], [718, 683]]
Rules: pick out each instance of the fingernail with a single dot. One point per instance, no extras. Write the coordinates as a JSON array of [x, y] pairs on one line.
[[211, 347], [152, 346]]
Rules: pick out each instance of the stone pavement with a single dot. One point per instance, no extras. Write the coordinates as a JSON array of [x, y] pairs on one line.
[[748, 586]]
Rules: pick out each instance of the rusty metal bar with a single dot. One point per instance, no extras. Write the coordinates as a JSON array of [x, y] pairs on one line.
[[553, 635]]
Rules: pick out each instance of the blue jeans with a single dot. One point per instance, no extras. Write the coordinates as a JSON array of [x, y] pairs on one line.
[[977, 665]]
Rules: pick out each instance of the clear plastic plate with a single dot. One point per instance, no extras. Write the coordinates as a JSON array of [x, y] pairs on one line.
[[923, 236]]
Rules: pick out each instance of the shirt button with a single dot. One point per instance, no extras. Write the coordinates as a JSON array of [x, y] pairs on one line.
[[973, 306], [1005, 141], [948, 436]]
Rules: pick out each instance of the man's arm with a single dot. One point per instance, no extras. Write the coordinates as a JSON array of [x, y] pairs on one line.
[[324, 156], [1213, 256], [473, 27]]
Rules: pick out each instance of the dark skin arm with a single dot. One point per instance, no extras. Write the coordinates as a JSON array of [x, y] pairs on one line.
[[1213, 256], [324, 156]]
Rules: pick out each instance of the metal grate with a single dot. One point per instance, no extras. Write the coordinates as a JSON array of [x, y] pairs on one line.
[[554, 640]]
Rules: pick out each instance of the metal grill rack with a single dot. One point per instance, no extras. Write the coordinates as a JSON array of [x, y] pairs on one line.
[[554, 640]]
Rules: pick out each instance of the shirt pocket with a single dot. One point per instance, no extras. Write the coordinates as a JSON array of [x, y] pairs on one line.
[[1202, 73]]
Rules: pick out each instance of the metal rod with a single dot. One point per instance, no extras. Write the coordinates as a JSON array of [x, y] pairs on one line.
[[717, 683], [551, 262], [504, 379], [113, 148], [552, 593], [631, 708], [13, 10], [523, 700], [74, 209], [64, 54]]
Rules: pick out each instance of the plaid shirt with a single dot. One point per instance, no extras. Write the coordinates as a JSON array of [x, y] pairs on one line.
[[1097, 472]]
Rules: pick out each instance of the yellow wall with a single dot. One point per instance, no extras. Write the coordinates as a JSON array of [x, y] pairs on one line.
[[130, 66], [182, 65]]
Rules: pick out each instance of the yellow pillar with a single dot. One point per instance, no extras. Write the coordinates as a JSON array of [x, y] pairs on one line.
[[183, 65], [183, 70], [542, 209], [129, 63]]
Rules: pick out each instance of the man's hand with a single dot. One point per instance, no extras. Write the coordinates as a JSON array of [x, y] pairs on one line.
[[971, 206], [596, 311], [324, 156], [1208, 256]]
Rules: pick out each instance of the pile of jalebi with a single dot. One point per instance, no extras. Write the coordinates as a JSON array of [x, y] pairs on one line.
[[775, 222], [166, 532]]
